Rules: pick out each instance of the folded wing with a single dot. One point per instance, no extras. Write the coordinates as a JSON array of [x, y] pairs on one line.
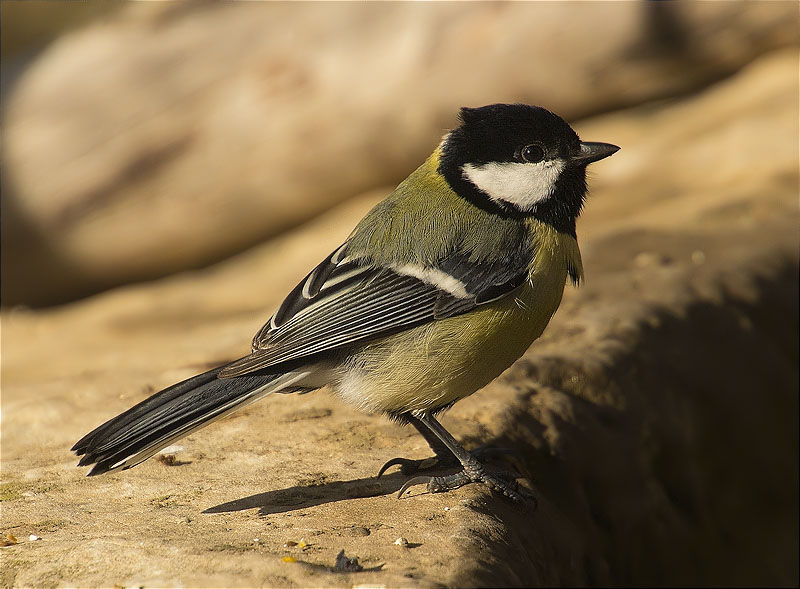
[[344, 301]]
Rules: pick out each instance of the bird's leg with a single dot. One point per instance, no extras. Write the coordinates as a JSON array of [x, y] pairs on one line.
[[442, 459], [472, 472]]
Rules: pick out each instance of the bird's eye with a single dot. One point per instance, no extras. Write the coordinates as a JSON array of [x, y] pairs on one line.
[[532, 154]]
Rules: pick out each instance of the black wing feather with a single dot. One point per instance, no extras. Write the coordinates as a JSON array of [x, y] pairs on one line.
[[344, 301]]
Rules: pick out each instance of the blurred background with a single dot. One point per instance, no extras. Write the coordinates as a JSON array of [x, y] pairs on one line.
[[170, 170], [135, 145]]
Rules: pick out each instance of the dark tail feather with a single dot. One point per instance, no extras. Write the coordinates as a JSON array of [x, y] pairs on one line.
[[156, 422]]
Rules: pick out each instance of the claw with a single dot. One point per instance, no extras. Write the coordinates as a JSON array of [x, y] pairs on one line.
[[509, 486], [391, 463], [438, 484], [411, 482], [408, 466], [502, 482]]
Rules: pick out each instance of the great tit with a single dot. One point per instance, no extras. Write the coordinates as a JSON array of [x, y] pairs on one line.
[[439, 289]]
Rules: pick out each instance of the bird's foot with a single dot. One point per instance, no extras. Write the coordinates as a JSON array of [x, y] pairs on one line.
[[504, 482], [445, 459]]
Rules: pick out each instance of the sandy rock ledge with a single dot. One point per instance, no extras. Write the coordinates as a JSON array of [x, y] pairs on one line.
[[657, 417]]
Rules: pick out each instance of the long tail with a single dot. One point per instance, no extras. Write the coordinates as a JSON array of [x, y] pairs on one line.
[[141, 431]]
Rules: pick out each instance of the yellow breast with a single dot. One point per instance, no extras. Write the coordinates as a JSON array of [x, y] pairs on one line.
[[438, 363]]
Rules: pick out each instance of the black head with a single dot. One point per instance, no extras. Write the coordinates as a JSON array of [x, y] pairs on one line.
[[516, 159]]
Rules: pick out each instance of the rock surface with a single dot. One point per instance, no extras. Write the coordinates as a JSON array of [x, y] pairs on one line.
[[657, 416], [145, 144]]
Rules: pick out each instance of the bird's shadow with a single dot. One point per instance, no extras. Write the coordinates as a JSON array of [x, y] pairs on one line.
[[303, 497]]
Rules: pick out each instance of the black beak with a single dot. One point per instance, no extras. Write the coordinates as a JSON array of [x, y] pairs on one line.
[[591, 152]]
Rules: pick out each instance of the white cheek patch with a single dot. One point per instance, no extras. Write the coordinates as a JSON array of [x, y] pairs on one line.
[[522, 185]]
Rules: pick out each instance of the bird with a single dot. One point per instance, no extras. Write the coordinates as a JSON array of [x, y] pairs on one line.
[[439, 288]]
